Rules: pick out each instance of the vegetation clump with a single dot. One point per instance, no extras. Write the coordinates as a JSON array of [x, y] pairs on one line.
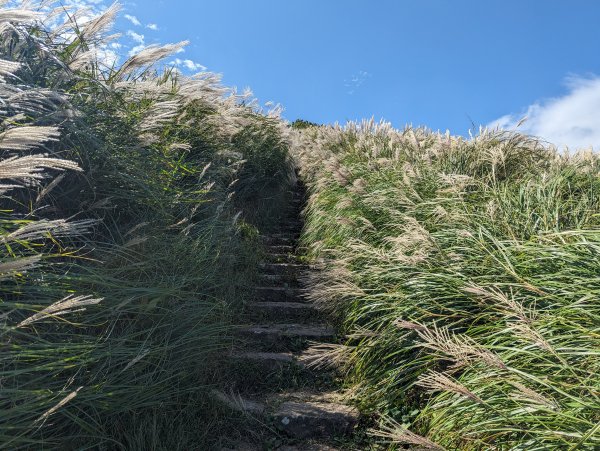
[[131, 202], [465, 273]]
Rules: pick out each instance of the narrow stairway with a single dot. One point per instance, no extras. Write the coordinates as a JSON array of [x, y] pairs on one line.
[[296, 404]]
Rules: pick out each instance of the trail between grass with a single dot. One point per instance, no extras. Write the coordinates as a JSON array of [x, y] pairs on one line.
[[295, 403]]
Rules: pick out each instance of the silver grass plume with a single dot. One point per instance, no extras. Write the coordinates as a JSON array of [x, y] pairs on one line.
[[460, 348], [326, 355], [149, 56], [48, 188], [23, 138], [527, 394], [397, 433], [62, 402], [26, 170], [101, 24], [10, 268], [434, 381], [9, 68], [158, 115], [20, 15], [32, 101], [70, 304], [43, 228]]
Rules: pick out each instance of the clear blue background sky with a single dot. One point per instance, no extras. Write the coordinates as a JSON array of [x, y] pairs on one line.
[[438, 63]]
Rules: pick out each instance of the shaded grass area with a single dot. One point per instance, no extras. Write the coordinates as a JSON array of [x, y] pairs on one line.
[[131, 204], [465, 274]]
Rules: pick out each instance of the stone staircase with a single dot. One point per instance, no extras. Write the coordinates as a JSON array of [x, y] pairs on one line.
[[277, 385]]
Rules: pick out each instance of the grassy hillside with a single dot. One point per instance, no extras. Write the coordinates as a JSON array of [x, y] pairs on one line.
[[464, 272], [466, 275], [131, 201]]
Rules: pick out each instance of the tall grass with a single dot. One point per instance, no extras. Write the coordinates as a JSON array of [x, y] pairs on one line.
[[466, 275], [131, 199]]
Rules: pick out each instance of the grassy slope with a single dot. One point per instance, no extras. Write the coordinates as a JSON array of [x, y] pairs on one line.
[[466, 273], [129, 238]]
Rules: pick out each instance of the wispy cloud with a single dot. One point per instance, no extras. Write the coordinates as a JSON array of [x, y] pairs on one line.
[[137, 49], [188, 64], [356, 81], [152, 26], [139, 38], [571, 120], [134, 20]]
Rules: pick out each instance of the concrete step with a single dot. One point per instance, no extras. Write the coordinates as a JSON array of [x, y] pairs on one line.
[[279, 239], [279, 294], [265, 363], [286, 358], [240, 404], [285, 336], [281, 360], [313, 418], [282, 258], [283, 268], [279, 280], [293, 330], [279, 249], [282, 311], [308, 447]]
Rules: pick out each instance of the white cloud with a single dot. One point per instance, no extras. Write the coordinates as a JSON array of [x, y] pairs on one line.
[[191, 65], [152, 26], [137, 49], [188, 64], [356, 81], [139, 38], [134, 20], [108, 58], [571, 120]]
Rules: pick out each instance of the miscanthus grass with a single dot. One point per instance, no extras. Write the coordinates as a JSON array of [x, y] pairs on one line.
[[466, 273], [130, 201]]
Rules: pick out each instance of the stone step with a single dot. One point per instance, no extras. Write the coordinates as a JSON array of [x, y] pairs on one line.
[[285, 336], [279, 280], [279, 239], [283, 268], [290, 227], [279, 294], [239, 403], [311, 418], [282, 258], [256, 371], [279, 357], [280, 360], [314, 332], [281, 249], [307, 447], [281, 311], [268, 362]]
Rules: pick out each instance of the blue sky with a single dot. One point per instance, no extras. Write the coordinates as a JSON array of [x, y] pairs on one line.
[[442, 64]]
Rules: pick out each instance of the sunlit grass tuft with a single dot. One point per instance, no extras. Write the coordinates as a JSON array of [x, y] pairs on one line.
[[466, 274], [131, 199]]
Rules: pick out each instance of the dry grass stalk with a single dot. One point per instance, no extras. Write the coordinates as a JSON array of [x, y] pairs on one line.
[[67, 305], [54, 409], [435, 381], [397, 433], [24, 138]]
